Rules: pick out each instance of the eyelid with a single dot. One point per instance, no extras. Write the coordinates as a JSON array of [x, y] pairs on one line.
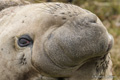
[[26, 37]]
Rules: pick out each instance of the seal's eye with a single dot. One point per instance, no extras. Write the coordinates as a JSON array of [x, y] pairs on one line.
[[24, 41]]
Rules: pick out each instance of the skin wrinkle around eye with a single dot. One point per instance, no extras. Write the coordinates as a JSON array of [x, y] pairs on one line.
[[24, 41]]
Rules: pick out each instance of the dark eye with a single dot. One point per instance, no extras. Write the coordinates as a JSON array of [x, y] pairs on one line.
[[24, 41]]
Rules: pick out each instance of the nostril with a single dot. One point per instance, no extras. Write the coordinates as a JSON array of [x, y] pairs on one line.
[[93, 21], [92, 18]]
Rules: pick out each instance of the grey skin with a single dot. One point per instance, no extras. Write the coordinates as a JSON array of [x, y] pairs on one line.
[[68, 43]]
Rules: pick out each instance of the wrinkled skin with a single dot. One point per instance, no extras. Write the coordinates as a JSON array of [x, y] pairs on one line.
[[68, 43]]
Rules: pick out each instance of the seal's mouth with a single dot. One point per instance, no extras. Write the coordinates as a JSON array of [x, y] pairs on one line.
[[110, 44]]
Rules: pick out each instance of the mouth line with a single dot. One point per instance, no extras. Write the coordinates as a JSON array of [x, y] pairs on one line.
[[109, 47], [110, 44]]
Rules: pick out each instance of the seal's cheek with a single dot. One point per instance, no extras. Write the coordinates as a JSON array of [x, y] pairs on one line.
[[40, 60], [23, 60], [47, 64]]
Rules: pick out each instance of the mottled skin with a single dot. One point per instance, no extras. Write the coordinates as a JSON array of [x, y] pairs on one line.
[[69, 43]]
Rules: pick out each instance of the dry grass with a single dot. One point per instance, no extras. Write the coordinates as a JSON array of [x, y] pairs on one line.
[[116, 59], [115, 53]]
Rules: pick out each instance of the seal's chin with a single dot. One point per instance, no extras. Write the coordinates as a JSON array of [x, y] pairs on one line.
[[111, 42]]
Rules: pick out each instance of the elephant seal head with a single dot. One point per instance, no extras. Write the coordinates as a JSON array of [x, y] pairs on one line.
[[54, 39]]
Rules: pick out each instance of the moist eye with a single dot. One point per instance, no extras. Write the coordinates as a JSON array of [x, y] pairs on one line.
[[25, 41]]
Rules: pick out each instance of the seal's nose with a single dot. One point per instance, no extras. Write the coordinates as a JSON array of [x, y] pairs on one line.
[[111, 42]]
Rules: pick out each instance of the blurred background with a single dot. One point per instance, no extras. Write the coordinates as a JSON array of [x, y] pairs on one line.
[[109, 13]]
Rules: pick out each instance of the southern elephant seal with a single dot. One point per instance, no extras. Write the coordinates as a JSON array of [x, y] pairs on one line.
[[55, 40]]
